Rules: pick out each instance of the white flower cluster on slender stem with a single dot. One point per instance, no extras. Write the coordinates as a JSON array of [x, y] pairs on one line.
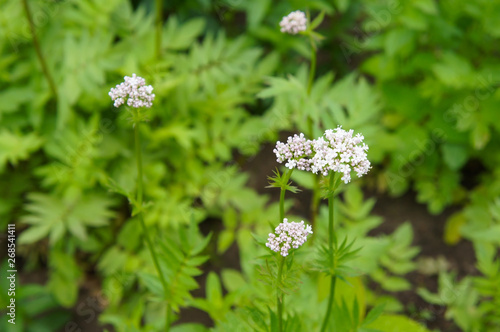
[[295, 151], [134, 91], [294, 22], [336, 151], [288, 235], [340, 152]]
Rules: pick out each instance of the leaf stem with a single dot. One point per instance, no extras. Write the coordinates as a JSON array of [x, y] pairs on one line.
[[280, 298], [38, 50], [159, 24], [331, 241], [138, 157]]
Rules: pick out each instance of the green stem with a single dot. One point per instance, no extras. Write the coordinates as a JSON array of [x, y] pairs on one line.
[[159, 24], [38, 50], [280, 298], [312, 69], [167, 323], [138, 157], [312, 72], [331, 241], [282, 194], [282, 204], [315, 200]]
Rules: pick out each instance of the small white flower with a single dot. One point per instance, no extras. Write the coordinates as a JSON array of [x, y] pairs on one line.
[[296, 151], [340, 152], [134, 92], [337, 150], [288, 235], [294, 23]]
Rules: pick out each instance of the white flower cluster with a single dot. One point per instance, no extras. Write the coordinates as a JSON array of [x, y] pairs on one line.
[[135, 91], [337, 151], [295, 151], [293, 23], [288, 235]]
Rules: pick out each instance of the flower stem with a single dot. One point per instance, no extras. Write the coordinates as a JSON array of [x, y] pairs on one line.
[[282, 204], [138, 157], [312, 69], [280, 298], [282, 194], [331, 241], [38, 50], [315, 200], [167, 319], [312, 72], [159, 24]]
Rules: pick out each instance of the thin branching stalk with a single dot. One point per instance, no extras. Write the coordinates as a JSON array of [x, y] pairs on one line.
[[138, 157], [286, 176], [280, 298], [159, 26], [312, 72], [38, 50], [331, 241], [282, 204], [316, 197], [312, 69]]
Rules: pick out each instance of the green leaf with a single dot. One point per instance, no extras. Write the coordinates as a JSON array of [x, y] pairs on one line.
[[225, 239], [454, 155], [214, 290], [480, 136], [153, 283], [396, 323], [189, 327], [46, 212], [16, 147], [233, 280], [399, 42], [452, 228], [317, 21], [33, 234], [454, 70], [374, 314], [427, 6]]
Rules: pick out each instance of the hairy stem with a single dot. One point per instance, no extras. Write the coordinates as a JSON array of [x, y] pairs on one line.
[[159, 24], [38, 50], [138, 157], [331, 241], [280, 298]]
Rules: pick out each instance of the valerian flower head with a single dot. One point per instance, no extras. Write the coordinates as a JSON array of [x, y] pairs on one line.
[[288, 235], [296, 151], [134, 92], [339, 151], [294, 23]]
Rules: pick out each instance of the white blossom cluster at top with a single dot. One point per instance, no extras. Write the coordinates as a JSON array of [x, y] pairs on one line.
[[294, 22], [134, 91], [337, 150], [288, 235]]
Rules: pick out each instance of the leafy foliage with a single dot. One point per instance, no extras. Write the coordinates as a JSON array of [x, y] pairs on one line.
[[423, 92]]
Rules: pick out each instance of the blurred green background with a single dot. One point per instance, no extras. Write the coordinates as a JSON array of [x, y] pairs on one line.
[[418, 78]]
